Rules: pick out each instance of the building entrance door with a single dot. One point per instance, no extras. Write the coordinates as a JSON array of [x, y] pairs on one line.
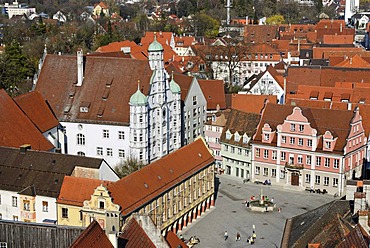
[[295, 178]]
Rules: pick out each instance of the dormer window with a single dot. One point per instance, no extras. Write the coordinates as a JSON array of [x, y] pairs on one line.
[[328, 144], [236, 137], [245, 139], [228, 135]]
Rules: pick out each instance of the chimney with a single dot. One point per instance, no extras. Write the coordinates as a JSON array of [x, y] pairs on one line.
[[24, 148], [80, 67]]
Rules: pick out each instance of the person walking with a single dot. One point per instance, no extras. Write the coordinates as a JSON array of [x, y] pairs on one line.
[[237, 236], [226, 235], [254, 235]]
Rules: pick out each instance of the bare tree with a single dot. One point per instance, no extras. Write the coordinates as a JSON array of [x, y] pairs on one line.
[[128, 166]]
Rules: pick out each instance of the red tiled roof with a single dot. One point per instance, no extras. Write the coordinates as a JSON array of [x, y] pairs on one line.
[[213, 91], [37, 110], [105, 77], [92, 237], [17, 129], [174, 241], [338, 39], [76, 190], [323, 76], [138, 188], [323, 52], [116, 46], [250, 103], [184, 41], [260, 33], [162, 37], [354, 62], [134, 236]]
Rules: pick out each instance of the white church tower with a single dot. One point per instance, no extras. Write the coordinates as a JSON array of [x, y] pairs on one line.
[[161, 118]]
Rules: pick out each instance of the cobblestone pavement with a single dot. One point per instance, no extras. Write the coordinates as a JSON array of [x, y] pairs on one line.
[[230, 214]]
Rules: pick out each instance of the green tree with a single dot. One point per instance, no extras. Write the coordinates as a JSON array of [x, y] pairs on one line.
[[14, 68], [128, 166], [205, 25], [275, 20]]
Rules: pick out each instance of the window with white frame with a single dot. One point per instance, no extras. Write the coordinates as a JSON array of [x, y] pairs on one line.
[[121, 153], [258, 152], [308, 178], [226, 148], [266, 136], [309, 143], [336, 164], [301, 128], [326, 181], [308, 159], [232, 149], [99, 151], [109, 152], [292, 140], [335, 182], [274, 155], [317, 179], [327, 162], [3, 245], [258, 170], [283, 139], [318, 161], [80, 139], [282, 174], [239, 151], [26, 205], [105, 133], [266, 171], [300, 159], [266, 154], [273, 172], [283, 156], [328, 144], [14, 201], [292, 127], [228, 134], [300, 141], [121, 135]]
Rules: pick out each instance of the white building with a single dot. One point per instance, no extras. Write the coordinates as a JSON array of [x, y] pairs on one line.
[[269, 82], [16, 9], [155, 120], [114, 107]]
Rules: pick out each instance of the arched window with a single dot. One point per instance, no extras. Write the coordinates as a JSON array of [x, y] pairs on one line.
[[80, 139], [82, 154]]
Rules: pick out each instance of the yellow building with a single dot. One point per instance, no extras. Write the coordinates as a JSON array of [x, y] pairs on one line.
[[74, 207]]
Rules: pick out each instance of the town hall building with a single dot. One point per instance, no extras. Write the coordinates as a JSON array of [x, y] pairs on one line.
[[115, 107]]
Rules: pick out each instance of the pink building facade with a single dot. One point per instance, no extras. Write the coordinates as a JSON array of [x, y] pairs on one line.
[[213, 130], [308, 148]]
